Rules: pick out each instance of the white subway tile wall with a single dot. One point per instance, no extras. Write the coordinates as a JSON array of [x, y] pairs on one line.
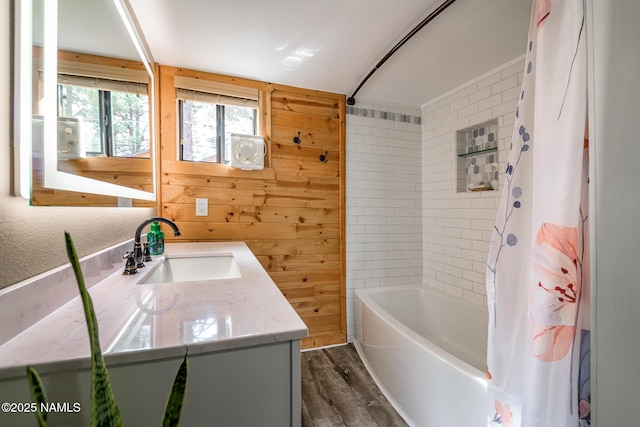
[[456, 227], [406, 223], [384, 228]]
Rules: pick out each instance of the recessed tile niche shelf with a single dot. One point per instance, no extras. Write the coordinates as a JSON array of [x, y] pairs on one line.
[[477, 149]]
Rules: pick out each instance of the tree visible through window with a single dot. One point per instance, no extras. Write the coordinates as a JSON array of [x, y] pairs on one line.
[[205, 129]]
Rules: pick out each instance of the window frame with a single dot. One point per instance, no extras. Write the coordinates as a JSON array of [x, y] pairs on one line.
[[221, 119], [107, 78], [105, 120], [170, 80]]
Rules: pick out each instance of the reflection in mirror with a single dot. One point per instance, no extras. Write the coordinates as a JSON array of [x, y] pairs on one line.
[[103, 128], [91, 96]]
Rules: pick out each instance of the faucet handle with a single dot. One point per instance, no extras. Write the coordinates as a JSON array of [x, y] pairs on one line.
[[146, 253], [130, 265]]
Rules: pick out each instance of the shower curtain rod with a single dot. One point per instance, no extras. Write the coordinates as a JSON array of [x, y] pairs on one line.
[[352, 100]]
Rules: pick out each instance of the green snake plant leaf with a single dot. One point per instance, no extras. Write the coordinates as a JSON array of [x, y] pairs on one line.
[[174, 405], [38, 395], [103, 409]]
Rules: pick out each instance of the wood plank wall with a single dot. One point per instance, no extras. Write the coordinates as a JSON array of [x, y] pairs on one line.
[[291, 214], [128, 172]]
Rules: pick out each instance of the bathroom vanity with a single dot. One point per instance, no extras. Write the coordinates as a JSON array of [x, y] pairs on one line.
[[241, 335]]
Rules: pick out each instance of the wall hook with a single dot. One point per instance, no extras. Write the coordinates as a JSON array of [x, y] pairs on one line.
[[323, 157], [297, 139]]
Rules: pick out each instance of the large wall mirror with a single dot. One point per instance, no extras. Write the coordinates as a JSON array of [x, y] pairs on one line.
[[84, 105]]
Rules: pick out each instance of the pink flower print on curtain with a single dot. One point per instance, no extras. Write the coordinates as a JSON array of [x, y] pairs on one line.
[[554, 290], [503, 416], [543, 7]]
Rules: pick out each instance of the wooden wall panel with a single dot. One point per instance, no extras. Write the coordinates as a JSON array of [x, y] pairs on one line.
[[291, 214], [133, 173]]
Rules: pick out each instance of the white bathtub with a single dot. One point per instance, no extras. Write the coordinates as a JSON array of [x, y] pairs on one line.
[[426, 352]]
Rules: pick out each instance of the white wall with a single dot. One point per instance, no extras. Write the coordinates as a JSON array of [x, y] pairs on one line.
[[615, 236], [32, 238], [384, 241], [457, 226]]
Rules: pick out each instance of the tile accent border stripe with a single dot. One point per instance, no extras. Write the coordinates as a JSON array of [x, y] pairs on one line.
[[384, 115]]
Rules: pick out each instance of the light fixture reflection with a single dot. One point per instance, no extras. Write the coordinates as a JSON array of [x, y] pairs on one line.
[[297, 57]]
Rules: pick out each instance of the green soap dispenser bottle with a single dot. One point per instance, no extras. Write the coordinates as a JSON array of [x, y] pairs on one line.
[[155, 238]]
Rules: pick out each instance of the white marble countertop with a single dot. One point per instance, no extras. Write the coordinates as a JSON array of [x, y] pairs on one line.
[[145, 322]]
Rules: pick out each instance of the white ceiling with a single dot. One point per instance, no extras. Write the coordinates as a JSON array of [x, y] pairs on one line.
[[82, 25], [331, 45]]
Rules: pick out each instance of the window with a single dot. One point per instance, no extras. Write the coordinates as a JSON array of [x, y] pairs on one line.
[[208, 113], [205, 129], [114, 115]]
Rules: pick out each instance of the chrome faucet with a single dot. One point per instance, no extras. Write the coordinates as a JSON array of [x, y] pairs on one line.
[[135, 259]]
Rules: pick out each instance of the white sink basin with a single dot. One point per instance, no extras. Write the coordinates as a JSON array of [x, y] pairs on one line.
[[192, 269]]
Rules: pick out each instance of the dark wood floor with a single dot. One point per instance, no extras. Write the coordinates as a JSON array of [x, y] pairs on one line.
[[337, 390]]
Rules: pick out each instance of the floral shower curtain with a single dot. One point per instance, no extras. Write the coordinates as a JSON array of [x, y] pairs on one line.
[[537, 270]]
